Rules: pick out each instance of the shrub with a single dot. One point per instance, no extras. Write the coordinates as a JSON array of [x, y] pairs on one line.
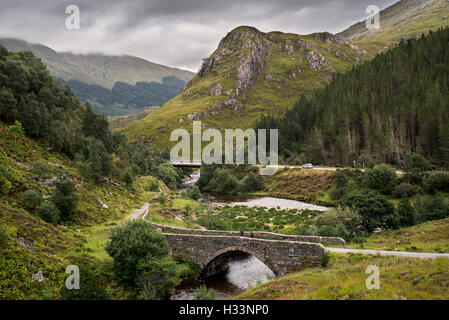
[[48, 212], [204, 293], [153, 184], [432, 208], [406, 213], [132, 242], [157, 278], [416, 162], [127, 177], [404, 190], [252, 182], [193, 193], [341, 185], [3, 235], [339, 222], [223, 181], [375, 210], [211, 222], [64, 197], [381, 178], [167, 173], [31, 199], [437, 181], [17, 129], [5, 184], [89, 288]]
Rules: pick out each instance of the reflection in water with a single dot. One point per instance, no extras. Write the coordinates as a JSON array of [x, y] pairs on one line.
[[243, 272]]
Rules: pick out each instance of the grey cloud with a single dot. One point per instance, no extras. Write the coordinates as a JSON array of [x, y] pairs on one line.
[[173, 32]]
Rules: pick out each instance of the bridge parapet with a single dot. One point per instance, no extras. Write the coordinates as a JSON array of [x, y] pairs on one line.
[[279, 255], [256, 234]]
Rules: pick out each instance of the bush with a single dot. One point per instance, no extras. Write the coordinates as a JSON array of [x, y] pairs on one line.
[[153, 184], [252, 182], [406, 213], [127, 177], [3, 235], [48, 212], [204, 293], [90, 288], [437, 181], [432, 208], [193, 193], [341, 185], [381, 178], [404, 190], [211, 222], [31, 199], [157, 278], [131, 243], [167, 173], [375, 210], [223, 181], [64, 197], [339, 222]]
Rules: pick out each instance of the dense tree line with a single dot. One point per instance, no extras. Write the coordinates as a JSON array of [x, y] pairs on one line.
[[378, 112], [32, 102], [124, 95]]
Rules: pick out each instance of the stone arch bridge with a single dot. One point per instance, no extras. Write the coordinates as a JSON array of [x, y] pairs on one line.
[[212, 250]]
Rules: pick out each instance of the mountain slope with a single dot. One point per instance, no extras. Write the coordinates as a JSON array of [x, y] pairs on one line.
[[405, 19], [378, 112], [113, 85], [250, 73], [103, 70]]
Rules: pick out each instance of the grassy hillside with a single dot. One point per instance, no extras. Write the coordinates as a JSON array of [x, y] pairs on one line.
[[430, 236], [404, 19], [344, 279], [103, 70], [116, 122], [250, 73]]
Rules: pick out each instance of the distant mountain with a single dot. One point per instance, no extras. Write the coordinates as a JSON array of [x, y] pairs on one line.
[[98, 78], [405, 19], [249, 74]]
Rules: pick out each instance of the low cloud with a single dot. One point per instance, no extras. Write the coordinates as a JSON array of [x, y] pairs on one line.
[[176, 33]]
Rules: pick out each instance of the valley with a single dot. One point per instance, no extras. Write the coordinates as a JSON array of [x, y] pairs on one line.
[[88, 182]]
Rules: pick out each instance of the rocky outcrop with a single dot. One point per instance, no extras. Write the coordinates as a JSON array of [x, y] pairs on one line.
[[316, 60]]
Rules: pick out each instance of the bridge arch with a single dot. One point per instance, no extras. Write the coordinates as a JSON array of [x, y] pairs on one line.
[[218, 260]]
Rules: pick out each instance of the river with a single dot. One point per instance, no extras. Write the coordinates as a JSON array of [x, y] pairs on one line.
[[243, 271]]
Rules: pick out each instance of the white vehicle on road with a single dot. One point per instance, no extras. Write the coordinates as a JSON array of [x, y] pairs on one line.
[[307, 166]]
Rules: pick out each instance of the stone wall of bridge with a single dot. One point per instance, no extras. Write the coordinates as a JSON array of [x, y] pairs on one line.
[[256, 234], [211, 251]]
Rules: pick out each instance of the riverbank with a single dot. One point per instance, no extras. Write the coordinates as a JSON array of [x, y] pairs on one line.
[[345, 279]]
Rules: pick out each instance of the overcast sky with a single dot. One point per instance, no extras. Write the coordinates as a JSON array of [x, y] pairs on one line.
[[177, 33]]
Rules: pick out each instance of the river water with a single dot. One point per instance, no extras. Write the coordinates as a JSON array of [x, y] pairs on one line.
[[243, 271]]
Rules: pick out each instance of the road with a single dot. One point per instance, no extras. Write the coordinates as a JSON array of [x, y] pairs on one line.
[[318, 168], [421, 255]]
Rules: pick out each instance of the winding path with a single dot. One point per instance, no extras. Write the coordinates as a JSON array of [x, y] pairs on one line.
[[137, 213]]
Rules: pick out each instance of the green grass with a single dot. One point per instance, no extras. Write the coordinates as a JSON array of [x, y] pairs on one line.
[[344, 279], [403, 20], [430, 236]]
